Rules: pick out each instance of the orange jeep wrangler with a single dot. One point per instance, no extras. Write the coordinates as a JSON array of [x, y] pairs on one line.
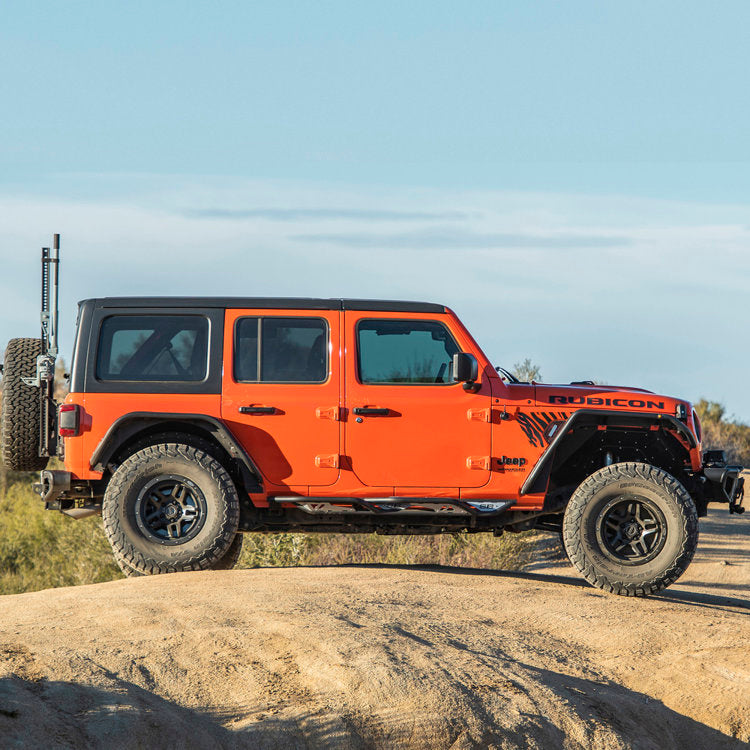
[[193, 420]]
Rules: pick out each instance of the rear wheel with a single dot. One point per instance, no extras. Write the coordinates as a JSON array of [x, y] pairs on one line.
[[631, 529], [170, 507], [21, 408]]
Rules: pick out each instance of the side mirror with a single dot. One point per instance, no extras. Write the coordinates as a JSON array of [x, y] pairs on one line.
[[466, 370]]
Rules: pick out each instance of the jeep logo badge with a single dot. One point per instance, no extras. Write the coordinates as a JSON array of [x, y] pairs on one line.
[[508, 461]]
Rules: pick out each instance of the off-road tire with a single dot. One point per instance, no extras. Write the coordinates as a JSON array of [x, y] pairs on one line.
[[21, 408], [665, 495], [142, 553], [561, 539], [229, 559], [227, 562]]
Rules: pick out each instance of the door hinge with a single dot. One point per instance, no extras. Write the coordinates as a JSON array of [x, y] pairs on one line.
[[327, 461], [327, 412], [478, 415], [478, 462]]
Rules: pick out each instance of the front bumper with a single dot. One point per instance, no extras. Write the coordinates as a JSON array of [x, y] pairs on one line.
[[721, 482]]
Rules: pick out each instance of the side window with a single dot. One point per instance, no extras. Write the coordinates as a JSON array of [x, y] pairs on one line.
[[281, 350], [246, 358], [405, 351], [153, 348]]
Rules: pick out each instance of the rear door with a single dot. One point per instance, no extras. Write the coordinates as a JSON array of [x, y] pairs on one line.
[[281, 392], [408, 424]]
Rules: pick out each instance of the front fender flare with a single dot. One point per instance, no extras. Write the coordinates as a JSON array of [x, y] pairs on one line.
[[541, 469]]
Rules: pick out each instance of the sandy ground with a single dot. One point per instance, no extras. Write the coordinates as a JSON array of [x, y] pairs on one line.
[[374, 656]]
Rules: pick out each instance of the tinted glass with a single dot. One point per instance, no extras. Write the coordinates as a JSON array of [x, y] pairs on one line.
[[292, 350], [405, 351], [153, 347], [246, 350]]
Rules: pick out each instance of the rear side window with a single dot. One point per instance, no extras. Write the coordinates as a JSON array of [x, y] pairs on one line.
[[281, 350], [153, 348], [405, 351]]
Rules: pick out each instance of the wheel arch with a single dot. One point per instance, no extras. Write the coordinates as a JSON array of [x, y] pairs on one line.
[[579, 444], [134, 427]]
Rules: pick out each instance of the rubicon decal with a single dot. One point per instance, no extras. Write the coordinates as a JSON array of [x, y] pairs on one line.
[[633, 403]]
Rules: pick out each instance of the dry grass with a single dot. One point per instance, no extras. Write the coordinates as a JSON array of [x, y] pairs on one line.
[[509, 552]]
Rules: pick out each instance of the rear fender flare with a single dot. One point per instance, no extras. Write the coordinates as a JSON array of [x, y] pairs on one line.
[[130, 425]]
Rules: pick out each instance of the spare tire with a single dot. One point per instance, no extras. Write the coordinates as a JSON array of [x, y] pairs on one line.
[[21, 408]]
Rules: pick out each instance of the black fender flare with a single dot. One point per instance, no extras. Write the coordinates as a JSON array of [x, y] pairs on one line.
[[131, 424], [540, 473]]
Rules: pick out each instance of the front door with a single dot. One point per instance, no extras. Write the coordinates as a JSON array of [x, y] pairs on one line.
[[408, 424], [281, 392]]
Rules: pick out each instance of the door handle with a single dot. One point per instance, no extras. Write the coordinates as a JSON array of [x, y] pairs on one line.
[[257, 410], [371, 411]]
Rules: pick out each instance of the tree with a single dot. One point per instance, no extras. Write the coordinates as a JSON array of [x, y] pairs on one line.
[[527, 371], [731, 436], [710, 411]]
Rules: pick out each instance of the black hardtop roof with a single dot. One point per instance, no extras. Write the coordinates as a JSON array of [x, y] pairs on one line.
[[269, 303]]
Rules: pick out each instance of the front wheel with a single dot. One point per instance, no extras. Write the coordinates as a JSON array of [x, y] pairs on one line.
[[631, 529], [170, 507]]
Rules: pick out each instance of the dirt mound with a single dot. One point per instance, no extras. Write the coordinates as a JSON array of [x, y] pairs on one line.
[[382, 657]]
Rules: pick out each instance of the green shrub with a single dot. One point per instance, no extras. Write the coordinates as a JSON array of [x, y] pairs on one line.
[[719, 432], [40, 549]]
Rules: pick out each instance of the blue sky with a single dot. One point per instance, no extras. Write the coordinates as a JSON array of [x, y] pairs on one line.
[[572, 177]]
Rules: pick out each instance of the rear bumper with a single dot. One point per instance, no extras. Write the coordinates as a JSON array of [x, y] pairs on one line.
[[51, 485], [722, 483], [56, 491]]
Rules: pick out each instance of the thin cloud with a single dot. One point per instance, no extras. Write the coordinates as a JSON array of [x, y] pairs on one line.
[[451, 239], [549, 274], [321, 214]]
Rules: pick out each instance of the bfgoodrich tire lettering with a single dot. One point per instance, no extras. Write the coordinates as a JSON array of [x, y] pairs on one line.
[[21, 409], [226, 562], [631, 529], [140, 547]]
